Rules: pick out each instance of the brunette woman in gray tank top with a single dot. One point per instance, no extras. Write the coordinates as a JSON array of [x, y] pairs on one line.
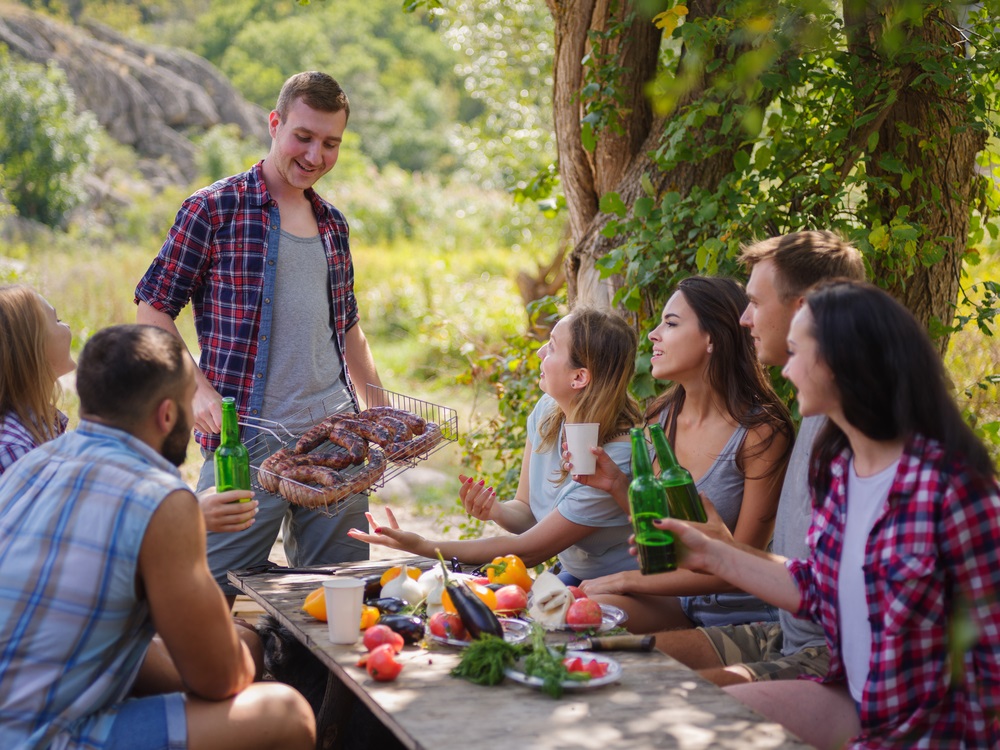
[[730, 430]]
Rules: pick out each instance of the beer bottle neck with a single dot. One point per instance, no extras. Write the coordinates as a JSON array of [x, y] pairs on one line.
[[230, 433], [641, 465], [664, 453]]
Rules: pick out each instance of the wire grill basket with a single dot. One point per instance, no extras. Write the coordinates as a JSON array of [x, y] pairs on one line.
[[263, 438]]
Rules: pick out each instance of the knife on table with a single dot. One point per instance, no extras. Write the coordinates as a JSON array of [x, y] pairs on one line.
[[614, 643]]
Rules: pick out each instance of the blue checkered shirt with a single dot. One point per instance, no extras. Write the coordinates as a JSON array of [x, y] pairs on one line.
[[73, 631]]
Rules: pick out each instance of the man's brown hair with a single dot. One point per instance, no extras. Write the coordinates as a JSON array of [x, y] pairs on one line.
[[318, 90], [805, 258]]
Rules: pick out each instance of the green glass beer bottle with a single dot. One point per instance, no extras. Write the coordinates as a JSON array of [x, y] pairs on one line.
[[232, 461], [682, 495], [648, 502]]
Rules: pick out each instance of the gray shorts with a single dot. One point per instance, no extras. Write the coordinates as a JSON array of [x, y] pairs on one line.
[[757, 648], [310, 537]]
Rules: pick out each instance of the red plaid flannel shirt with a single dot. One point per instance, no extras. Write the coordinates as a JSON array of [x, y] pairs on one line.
[[220, 255], [932, 563]]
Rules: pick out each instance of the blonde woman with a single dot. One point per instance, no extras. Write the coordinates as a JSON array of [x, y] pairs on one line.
[[586, 368], [34, 354]]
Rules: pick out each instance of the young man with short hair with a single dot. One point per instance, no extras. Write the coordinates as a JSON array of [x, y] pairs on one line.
[[266, 264], [781, 270]]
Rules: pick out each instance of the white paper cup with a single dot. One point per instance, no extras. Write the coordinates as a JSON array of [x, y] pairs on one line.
[[344, 597], [580, 438]]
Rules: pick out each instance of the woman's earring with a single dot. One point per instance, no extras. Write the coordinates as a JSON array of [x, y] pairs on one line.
[[709, 348]]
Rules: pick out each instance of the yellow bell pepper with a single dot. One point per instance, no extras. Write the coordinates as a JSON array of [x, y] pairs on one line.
[[369, 616], [509, 569]]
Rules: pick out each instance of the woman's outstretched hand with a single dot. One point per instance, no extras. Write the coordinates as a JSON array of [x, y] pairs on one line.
[[478, 500], [388, 536]]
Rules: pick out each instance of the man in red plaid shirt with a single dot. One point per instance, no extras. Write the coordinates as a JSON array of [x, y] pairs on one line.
[[267, 266]]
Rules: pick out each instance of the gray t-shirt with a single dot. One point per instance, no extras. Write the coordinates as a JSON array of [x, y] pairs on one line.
[[790, 528], [304, 369], [604, 550], [723, 484]]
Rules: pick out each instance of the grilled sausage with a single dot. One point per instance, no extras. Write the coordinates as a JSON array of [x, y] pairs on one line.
[[416, 423], [414, 447], [333, 486], [368, 430], [350, 441], [316, 435]]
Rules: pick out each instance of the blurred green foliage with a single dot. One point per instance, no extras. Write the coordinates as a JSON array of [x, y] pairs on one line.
[[46, 147]]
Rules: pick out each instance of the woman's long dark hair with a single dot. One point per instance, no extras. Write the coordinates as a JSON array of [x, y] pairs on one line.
[[733, 370], [890, 378]]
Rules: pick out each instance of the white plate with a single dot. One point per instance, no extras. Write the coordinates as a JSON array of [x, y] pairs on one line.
[[611, 618], [516, 673], [514, 631]]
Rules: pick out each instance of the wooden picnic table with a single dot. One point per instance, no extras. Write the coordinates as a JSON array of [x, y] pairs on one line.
[[657, 703]]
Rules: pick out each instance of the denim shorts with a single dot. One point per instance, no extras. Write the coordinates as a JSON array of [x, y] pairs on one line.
[[157, 722], [711, 610]]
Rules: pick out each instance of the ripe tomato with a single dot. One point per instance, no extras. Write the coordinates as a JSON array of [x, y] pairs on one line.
[[382, 664], [511, 598], [447, 625], [382, 635], [583, 614]]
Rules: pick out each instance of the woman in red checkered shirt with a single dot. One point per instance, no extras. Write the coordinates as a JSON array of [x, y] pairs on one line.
[[904, 572]]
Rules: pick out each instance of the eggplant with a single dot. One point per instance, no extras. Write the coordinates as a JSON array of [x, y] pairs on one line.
[[408, 626], [373, 586], [388, 605], [475, 615]]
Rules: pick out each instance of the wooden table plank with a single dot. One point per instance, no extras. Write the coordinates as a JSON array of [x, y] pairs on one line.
[[658, 703]]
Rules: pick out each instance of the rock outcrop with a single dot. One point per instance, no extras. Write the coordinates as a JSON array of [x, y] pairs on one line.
[[149, 97]]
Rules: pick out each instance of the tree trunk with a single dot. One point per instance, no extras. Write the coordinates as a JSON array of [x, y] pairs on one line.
[[940, 146], [619, 162]]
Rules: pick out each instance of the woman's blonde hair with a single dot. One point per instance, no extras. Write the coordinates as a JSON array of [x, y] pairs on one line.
[[604, 344], [29, 388]]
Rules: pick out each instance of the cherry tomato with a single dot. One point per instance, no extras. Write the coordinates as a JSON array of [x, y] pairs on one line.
[[382, 635], [382, 664]]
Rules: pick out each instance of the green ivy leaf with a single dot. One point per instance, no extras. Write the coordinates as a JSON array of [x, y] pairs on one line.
[[643, 207], [612, 203]]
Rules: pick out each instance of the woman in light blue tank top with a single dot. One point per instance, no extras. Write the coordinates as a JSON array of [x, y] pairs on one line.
[[731, 431], [585, 372]]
